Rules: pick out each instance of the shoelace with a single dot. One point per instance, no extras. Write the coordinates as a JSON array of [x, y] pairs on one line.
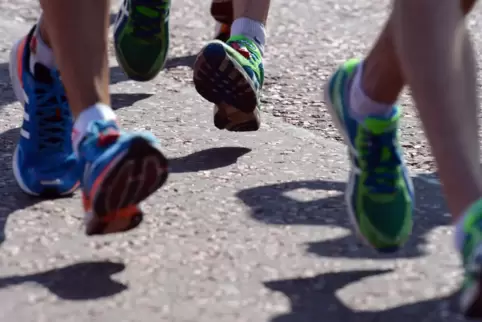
[[381, 159], [145, 26], [53, 116]]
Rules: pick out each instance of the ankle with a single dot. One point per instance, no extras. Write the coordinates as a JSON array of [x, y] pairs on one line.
[[40, 52], [381, 81], [96, 112], [251, 29], [360, 103]]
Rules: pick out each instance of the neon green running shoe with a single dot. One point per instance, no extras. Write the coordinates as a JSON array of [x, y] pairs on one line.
[[471, 296], [231, 76], [379, 193], [141, 37]]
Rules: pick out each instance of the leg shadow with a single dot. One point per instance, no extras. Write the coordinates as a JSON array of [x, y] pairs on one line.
[[207, 159], [182, 61], [121, 100], [274, 205], [82, 281], [117, 75], [314, 299], [6, 93]]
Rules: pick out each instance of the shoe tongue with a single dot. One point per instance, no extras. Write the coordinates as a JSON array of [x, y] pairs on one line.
[[42, 73], [381, 124]]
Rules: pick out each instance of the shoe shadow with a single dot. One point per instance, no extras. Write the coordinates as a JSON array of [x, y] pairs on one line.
[[121, 100], [117, 75], [12, 198], [6, 93], [207, 159], [182, 61], [273, 205], [314, 299], [78, 282]]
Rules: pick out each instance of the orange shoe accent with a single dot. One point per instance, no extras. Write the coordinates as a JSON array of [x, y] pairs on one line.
[[122, 213], [86, 203], [100, 179]]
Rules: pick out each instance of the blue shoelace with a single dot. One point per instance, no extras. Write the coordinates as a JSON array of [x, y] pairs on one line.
[[54, 119], [382, 173]]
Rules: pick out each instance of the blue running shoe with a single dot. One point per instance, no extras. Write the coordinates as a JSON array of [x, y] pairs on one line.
[[379, 193], [119, 171], [44, 163]]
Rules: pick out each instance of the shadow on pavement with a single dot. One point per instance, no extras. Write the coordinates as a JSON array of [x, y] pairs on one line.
[[121, 100], [314, 299], [11, 197], [117, 75], [209, 159], [272, 205], [182, 61], [118, 100], [6, 93], [81, 281]]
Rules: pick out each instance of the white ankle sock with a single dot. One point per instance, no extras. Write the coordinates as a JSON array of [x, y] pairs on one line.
[[362, 105], [252, 29], [95, 112], [39, 51]]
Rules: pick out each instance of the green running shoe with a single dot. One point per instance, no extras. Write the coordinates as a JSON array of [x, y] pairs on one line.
[[379, 193], [141, 37], [471, 296], [231, 76]]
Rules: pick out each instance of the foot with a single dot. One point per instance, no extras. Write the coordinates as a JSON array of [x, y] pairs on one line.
[[231, 76], [379, 194], [141, 37], [471, 296], [120, 170], [44, 163]]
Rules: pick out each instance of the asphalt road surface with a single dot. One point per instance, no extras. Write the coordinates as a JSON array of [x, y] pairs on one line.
[[250, 227]]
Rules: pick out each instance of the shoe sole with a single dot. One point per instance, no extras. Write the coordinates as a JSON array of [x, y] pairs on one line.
[[136, 175], [220, 79], [228, 118]]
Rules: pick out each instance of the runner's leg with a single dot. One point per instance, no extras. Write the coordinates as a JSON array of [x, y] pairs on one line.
[[119, 169], [437, 60]]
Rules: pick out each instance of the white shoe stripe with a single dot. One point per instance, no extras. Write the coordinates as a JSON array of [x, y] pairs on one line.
[[25, 134]]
